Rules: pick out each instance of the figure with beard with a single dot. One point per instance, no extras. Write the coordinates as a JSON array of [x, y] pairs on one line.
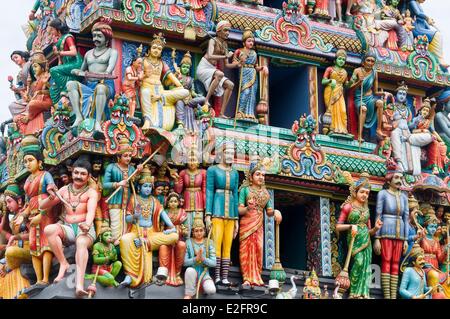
[[414, 284], [96, 182], [77, 225], [64, 177], [391, 240]]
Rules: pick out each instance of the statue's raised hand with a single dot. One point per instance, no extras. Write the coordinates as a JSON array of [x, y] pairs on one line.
[[138, 242]]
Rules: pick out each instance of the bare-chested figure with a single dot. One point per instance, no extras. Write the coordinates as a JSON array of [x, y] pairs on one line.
[[76, 225], [213, 79], [99, 61]]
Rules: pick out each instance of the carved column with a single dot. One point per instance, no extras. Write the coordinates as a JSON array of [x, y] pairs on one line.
[[269, 238], [313, 94], [325, 235], [262, 109]]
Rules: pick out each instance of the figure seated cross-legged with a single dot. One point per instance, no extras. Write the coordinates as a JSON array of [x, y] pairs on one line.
[[77, 226]]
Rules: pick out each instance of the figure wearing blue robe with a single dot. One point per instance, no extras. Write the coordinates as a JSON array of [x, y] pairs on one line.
[[413, 283]]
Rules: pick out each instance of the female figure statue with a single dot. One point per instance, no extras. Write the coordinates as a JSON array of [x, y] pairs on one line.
[[334, 79], [68, 58], [254, 199], [21, 58], [171, 258], [247, 59], [355, 218], [133, 75]]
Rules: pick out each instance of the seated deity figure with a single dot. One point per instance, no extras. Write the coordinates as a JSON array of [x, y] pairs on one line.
[[147, 234], [158, 104], [98, 67]]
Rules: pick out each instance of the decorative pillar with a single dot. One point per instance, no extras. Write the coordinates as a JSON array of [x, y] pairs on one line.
[[262, 109], [269, 238], [117, 44], [325, 235], [313, 95]]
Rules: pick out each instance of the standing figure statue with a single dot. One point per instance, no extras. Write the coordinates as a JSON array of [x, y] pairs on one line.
[[68, 58], [186, 109], [134, 75], [200, 256], [334, 80], [365, 82], [116, 175], [158, 104], [355, 218], [77, 226], [222, 183], [192, 186], [442, 120], [414, 279], [208, 73], [247, 59], [98, 67], [391, 240], [171, 258], [39, 185], [146, 234], [254, 200], [22, 60]]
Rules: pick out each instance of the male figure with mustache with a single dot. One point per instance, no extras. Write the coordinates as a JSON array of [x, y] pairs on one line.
[[391, 240], [77, 222]]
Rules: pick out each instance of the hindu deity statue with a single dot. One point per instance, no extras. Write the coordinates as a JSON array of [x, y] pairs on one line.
[[200, 256], [171, 258], [104, 255], [208, 71], [192, 186], [47, 13], [355, 218], [391, 239], [116, 175], [321, 8], [334, 80], [425, 25], [312, 287], [102, 219], [97, 68], [20, 89], [146, 235], [247, 59], [134, 74], [365, 82], [186, 109], [408, 25], [423, 134], [76, 225], [158, 104], [442, 119], [68, 58], [414, 281], [39, 185], [18, 246], [435, 257], [159, 191], [254, 202], [64, 177], [32, 120], [222, 183]]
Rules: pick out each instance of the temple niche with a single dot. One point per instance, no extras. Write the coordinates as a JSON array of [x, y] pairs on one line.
[[226, 147]]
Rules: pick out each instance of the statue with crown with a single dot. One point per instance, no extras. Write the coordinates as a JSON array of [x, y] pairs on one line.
[[146, 223]]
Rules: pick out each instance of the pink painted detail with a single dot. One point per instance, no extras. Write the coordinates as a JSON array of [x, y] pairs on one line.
[[117, 44]]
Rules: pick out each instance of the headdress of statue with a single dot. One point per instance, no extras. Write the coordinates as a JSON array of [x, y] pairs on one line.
[[158, 39], [124, 146], [198, 223], [104, 229], [187, 59], [31, 146], [429, 216], [444, 97], [257, 164], [413, 254], [401, 86], [341, 53], [104, 26], [146, 176], [38, 57], [14, 191], [248, 33], [313, 275], [362, 182], [224, 24]]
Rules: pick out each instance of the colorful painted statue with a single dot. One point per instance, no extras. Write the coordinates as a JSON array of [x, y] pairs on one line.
[[312, 289], [334, 80], [365, 82], [134, 74], [97, 68], [68, 58], [254, 201], [192, 186], [409, 27], [391, 240], [321, 8], [22, 60], [77, 227], [426, 26], [105, 257], [39, 185], [414, 281], [47, 13], [247, 59], [442, 119], [435, 257], [32, 120], [355, 218], [158, 104], [146, 234], [200, 256], [102, 219], [18, 247], [423, 134], [186, 109], [222, 183], [116, 175], [171, 258], [208, 73]]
